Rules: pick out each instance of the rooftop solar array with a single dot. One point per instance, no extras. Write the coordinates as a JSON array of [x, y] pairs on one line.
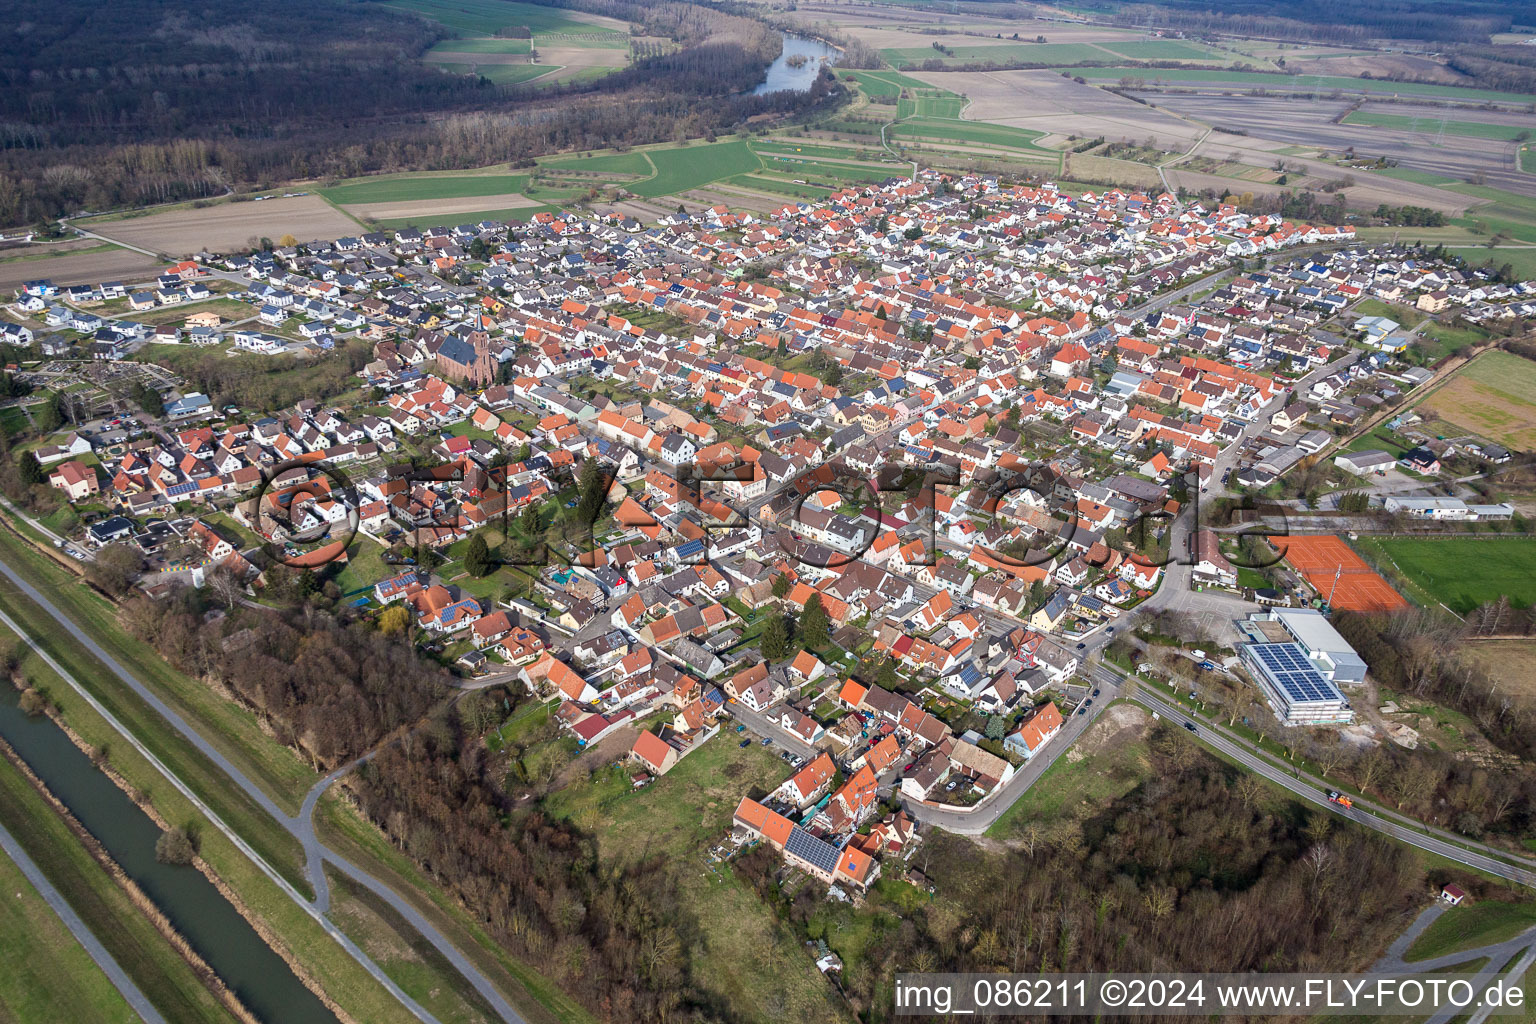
[[1288, 666], [812, 850]]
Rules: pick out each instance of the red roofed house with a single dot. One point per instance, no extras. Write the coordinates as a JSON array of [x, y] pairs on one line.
[[655, 753], [1036, 731]]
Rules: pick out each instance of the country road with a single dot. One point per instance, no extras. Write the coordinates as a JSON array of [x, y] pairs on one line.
[[301, 825]]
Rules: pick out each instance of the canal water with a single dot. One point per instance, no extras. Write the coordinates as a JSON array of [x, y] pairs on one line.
[[781, 75], [209, 923]]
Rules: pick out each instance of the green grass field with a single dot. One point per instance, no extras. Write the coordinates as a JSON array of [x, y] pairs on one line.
[[940, 130], [507, 74], [485, 17], [1323, 83], [1163, 49], [688, 167], [788, 189], [1043, 54], [884, 83], [1522, 261], [519, 213], [1464, 572], [44, 973], [931, 103], [1409, 174], [1527, 159], [800, 167], [1468, 927], [608, 163], [485, 44], [1509, 213], [1494, 396], [405, 187], [1438, 340], [1433, 126]]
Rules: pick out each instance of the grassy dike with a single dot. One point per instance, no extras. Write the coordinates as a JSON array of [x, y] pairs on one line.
[[231, 803], [425, 978], [161, 973], [44, 973], [285, 926]]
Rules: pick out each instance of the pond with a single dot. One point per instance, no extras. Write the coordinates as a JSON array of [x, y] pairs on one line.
[[799, 64], [209, 923]]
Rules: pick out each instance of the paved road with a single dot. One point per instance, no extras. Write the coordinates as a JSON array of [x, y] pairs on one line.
[[136, 999], [301, 826], [764, 726]]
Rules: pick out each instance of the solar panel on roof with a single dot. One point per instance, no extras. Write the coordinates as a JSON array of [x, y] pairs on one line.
[[812, 850]]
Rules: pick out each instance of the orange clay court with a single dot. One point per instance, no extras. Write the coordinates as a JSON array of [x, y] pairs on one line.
[[1360, 588]]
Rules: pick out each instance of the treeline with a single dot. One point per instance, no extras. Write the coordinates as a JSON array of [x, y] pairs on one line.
[[1506, 68], [1190, 868], [330, 689], [108, 113], [615, 939], [1321, 21]]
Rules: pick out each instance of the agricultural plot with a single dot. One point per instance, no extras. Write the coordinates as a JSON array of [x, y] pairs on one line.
[[503, 74], [1464, 572], [606, 163], [1494, 396], [678, 170], [406, 187], [1508, 212], [487, 17], [224, 227], [1042, 54], [883, 83], [448, 47], [90, 267], [971, 131], [1299, 83], [1436, 126], [1163, 49], [931, 103]]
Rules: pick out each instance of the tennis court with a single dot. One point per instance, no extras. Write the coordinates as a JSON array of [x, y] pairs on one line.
[[1360, 588]]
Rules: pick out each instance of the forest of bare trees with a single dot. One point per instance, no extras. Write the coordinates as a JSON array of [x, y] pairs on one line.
[[331, 690], [136, 104]]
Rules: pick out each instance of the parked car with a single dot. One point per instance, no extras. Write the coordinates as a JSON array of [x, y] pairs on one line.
[[1081, 646], [767, 740], [1095, 691], [744, 743]]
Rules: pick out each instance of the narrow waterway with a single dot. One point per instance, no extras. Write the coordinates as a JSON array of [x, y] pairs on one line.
[[209, 923], [799, 64]]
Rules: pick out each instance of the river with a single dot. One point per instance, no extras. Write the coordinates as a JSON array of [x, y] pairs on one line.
[[782, 76], [209, 923]]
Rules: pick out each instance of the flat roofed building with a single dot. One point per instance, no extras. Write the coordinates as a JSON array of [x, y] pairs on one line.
[[1296, 691], [1329, 652]]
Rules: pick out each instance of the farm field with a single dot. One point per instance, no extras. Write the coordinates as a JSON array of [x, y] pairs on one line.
[[1302, 83], [1043, 54], [503, 74], [678, 170], [1494, 396], [883, 83], [406, 187], [1164, 49], [1425, 126], [511, 213], [1360, 588], [1464, 572], [81, 267], [1511, 662], [970, 131], [486, 17], [1511, 213], [1467, 927], [480, 45], [224, 227], [609, 163]]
